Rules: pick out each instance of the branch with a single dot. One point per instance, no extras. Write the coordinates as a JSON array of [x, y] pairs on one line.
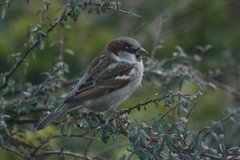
[[171, 109], [129, 13], [28, 48], [157, 36], [144, 104], [67, 153], [116, 8], [155, 100], [16, 143], [89, 144], [226, 87], [22, 121], [63, 17], [59, 136], [209, 130], [14, 152]]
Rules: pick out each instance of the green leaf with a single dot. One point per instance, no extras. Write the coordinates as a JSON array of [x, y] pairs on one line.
[[64, 128], [222, 147], [69, 51], [123, 157], [105, 6], [2, 79], [75, 14], [97, 10], [4, 11]]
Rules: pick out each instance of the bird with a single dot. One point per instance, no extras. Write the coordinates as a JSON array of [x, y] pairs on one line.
[[111, 78]]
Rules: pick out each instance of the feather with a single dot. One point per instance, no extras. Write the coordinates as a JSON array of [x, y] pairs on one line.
[[51, 117], [101, 81]]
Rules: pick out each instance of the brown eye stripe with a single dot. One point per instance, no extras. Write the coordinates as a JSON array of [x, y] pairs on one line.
[[131, 50]]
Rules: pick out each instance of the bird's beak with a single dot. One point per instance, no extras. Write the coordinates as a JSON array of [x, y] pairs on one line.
[[142, 52]]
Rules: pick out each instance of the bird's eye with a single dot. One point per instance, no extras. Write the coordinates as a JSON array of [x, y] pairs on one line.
[[127, 48]]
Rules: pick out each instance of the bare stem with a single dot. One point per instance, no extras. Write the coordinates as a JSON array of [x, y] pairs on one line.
[[67, 153], [28, 49], [14, 152], [209, 130]]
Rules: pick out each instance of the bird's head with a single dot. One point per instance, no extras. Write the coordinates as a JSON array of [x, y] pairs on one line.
[[126, 48]]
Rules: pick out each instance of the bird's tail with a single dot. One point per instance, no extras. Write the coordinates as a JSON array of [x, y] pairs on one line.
[[49, 118]]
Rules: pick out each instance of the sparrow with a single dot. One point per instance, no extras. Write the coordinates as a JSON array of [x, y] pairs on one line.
[[110, 79]]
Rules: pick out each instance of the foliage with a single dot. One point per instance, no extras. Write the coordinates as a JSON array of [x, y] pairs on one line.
[[171, 131]]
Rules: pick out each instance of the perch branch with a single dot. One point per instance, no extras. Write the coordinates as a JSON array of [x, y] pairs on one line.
[[144, 104]]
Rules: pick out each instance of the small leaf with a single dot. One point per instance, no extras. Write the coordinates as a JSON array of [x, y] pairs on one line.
[[4, 11], [97, 10], [123, 157], [75, 14], [105, 7], [69, 51], [63, 128], [222, 147], [2, 80]]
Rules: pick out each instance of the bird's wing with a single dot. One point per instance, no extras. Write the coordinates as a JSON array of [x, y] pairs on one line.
[[104, 76]]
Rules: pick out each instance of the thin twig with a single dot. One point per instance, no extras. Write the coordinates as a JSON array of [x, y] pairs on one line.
[[22, 121], [171, 109], [15, 142], [68, 153], [28, 49], [61, 42], [35, 150], [129, 13], [217, 124], [179, 97], [11, 151], [161, 98], [226, 87], [144, 104], [113, 147], [89, 144], [156, 37], [190, 111]]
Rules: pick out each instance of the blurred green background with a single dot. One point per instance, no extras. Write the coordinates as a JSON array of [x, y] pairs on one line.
[[187, 23]]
